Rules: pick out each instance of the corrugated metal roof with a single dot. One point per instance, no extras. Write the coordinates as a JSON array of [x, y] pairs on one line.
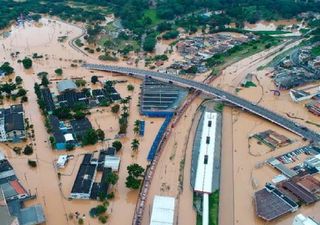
[[66, 85], [162, 210]]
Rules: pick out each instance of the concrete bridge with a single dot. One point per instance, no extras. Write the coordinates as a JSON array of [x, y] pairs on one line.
[[284, 122]]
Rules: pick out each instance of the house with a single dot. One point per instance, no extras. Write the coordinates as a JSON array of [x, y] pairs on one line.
[[6, 217], [66, 85], [12, 126], [83, 184], [70, 98], [62, 160], [12, 197], [47, 99], [59, 139]]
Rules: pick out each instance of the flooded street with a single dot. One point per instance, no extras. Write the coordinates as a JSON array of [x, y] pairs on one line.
[[42, 39], [239, 156]]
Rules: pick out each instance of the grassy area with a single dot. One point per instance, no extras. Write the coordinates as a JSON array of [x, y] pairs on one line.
[[270, 32], [315, 51], [119, 43], [152, 14], [199, 219], [214, 208]]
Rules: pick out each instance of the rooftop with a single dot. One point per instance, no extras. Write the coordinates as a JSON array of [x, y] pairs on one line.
[[66, 85], [205, 165], [162, 210], [271, 203], [85, 176]]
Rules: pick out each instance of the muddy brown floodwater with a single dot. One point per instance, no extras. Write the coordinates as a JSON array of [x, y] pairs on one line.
[[239, 157], [238, 160], [51, 192]]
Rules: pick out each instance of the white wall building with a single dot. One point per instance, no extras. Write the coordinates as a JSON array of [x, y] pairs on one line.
[[162, 210]]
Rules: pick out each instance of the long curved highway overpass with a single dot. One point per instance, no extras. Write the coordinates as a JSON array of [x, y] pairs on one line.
[[213, 91]]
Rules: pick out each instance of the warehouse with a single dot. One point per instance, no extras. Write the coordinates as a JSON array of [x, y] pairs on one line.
[[162, 210]]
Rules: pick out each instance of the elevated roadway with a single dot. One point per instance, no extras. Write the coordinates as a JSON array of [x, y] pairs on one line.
[[275, 118]]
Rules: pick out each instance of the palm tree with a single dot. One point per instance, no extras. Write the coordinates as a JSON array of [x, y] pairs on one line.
[[135, 144], [136, 127], [125, 108], [136, 130]]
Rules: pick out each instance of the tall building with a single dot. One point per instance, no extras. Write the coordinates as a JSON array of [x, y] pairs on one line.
[[303, 220]]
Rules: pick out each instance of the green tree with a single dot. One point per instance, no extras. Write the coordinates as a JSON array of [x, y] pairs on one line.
[[115, 108], [78, 115], [59, 71], [112, 178], [6, 68], [103, 219], [21, 92], [7, 87], [18, 80], [44, 81], [27, 63], [90, 137], [117, 145], [32, 163], [132, 182], [135, 170], [130, 87], [135, 144], [100, 134], [28, 150], [94, 79], [149, 43], [100, 209]]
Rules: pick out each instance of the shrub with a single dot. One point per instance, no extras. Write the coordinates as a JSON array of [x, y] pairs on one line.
[[117, 145], [115, 108], [28, 150], [27, 63], [18, 80], [59, 71], [103, 219], [32, 163], [130, 87]]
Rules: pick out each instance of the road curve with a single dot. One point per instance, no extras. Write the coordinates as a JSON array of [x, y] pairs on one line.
[[213, 91]]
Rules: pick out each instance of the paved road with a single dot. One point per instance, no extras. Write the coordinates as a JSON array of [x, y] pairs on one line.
[[235, 100]]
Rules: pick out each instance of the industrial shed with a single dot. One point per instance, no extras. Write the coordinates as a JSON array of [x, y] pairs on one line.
[[162, 210]]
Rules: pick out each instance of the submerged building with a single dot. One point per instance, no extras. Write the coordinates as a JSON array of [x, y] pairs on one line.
[[162, 210], [205, 165], [12, 124], [159, 97], [12, 198]]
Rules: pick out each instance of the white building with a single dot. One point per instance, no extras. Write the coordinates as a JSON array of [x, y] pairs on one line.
[[162, 210], [313, 162], [205, 165], [303, 220], [112, 162], [62, 160]]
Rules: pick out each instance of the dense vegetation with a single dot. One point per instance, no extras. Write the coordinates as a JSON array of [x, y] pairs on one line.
[[138, 15]]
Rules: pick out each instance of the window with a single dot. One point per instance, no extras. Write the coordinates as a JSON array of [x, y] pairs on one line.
[[209, 123]]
